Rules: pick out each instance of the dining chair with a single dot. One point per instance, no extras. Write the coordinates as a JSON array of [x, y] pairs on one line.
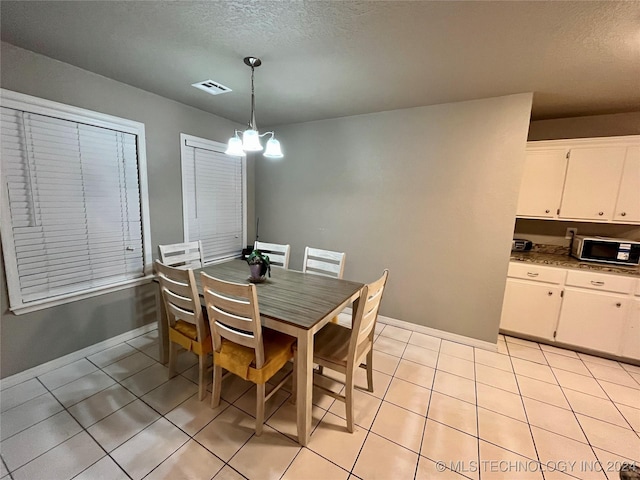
[[323, 262], [182, 255], [240, 344], [342, 349], [278, 254], [187, 322]]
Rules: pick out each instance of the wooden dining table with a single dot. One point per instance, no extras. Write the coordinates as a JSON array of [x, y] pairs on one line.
[[298, 304]]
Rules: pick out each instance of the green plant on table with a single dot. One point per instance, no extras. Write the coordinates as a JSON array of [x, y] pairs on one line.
[[258, 258]]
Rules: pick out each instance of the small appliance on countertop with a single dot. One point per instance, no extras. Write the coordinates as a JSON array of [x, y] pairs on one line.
[[606, 249], [521, 245]]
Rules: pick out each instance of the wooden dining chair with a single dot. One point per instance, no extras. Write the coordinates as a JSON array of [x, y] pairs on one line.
[[278, 254], [240, 344], [323, 262], [182, 255], [187, 322], [343, 350]]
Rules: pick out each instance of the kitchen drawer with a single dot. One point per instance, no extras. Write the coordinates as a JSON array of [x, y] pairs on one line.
[[527, 271], [598, 281]]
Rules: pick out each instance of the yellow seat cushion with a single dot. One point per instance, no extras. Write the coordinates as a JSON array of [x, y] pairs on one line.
[[240, 360], [185, 334]]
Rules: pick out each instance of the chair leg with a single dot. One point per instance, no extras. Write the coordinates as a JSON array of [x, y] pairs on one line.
[[348, 393], [370, 370], [260, 393], [202, 371], [217, 386], [173, 354], [294, 379]]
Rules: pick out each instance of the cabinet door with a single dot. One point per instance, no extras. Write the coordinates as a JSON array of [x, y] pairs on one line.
[[593, 320], [628, 204], [542, 182], [591, 184], [530, 308], [631, 340]]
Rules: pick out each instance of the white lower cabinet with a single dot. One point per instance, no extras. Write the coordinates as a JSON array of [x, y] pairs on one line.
[[587, 309], [595, 320], [531, 308]]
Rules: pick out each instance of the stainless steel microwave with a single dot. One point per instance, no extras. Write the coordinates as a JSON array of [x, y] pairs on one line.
[[606, 249]]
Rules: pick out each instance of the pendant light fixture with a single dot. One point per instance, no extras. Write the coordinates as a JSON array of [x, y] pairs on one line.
[[250, 141]]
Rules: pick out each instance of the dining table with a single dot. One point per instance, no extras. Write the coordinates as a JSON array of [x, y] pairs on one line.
[[292, 302]]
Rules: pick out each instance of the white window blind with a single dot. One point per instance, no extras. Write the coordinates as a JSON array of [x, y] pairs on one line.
[[74, 206], [214, 198]]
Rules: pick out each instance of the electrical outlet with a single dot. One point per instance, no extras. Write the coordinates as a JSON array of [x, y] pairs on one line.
[[571, 232]]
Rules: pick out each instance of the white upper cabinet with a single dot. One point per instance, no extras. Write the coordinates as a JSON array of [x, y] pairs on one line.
[[592, 179], [628, 204], [592, 182], [542, 183]]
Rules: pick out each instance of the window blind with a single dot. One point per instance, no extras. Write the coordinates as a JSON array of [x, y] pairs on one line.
[[213, 199], [74, 201]]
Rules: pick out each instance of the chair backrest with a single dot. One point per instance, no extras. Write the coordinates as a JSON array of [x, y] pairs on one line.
[[233, 314], [323, 262], [278, 254], [366, 315], [182, 255], [180, 296]]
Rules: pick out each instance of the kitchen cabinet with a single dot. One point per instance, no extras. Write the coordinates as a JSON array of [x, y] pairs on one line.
[[593, 320], [631, 339], [594, 179], [592, 183], [585, 309], [532, 300], [542, 182], [628, 202]]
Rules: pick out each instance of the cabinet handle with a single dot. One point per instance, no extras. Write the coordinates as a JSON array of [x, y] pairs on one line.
[[623, 214], [547, 211], [597, 283], [550, 293], [600, 213], [618, 304], [532, 274]]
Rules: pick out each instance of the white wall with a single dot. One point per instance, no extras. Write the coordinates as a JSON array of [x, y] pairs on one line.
[[429, 193]]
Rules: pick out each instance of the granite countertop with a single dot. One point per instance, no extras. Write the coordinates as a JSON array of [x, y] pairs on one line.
[[557, 256]]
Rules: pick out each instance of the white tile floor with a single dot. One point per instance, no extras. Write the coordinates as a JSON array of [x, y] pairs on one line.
[[515, 414]]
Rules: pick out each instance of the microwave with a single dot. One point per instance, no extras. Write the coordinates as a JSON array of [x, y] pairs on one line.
[[605, 249]]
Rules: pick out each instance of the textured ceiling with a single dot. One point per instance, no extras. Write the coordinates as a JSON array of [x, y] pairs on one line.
[[326, 59]]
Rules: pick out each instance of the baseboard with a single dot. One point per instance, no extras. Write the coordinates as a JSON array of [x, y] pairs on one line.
[[453, 337], [72, 357]]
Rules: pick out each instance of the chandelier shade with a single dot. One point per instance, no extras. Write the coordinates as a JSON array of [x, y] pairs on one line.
[[250, 141]]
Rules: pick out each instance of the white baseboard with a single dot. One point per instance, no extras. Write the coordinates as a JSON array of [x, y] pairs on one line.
[[453, 337], [72, 357]]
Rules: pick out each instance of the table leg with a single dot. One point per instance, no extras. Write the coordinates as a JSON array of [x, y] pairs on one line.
[[304, 385]]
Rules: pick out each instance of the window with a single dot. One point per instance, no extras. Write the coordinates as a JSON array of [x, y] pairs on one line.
[[213, 198], [74, 209]]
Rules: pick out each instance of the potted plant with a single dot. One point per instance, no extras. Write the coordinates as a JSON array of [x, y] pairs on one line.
[[259, 265]]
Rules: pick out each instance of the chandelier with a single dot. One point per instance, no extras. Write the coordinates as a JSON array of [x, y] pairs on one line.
[[250, 141]]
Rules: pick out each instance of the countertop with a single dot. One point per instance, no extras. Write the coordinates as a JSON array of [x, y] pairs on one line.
[[556, 256]]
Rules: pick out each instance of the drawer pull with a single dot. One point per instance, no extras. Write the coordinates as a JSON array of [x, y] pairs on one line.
[[597, 283], [532, 274], [623, 214], [600, 213], [547, 211], [550, 293], [618, 304]]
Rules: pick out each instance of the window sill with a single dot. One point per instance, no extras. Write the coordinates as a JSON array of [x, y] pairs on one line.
[[74, 297]]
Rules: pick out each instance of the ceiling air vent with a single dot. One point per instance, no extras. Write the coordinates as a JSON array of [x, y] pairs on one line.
[[209, 86]]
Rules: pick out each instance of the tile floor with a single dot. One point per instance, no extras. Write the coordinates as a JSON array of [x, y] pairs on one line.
[[439, 410]]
